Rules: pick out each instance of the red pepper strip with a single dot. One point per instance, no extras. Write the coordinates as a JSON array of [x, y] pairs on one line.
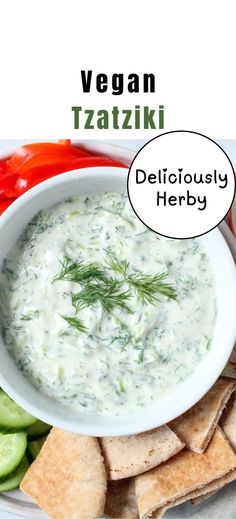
[[7, 185], [5, 203], [2, 167], [37, 175], [40, 154]]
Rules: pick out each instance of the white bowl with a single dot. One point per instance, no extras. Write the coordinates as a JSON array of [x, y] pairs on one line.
[[95, 180]]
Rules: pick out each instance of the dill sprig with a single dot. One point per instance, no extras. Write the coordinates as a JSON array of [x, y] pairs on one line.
[[80, 272], [140, 357], [108, 293], [98, 287], [118, 266], [148, 287], [75, 323]]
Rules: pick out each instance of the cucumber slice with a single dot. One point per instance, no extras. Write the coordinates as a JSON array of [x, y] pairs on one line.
[[12, 450], [12, 417], [14, 479], [35, 447], [38, 429]]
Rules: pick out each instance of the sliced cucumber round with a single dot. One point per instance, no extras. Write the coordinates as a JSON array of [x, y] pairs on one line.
[[12, 416], [35, 447], [12, 450], [38, 429], [14, 479]]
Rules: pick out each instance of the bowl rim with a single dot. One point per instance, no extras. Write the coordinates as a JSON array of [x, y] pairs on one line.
[[142, 421], [232, 218]]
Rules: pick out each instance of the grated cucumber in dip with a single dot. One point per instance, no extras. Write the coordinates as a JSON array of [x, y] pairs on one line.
[[99, 312]]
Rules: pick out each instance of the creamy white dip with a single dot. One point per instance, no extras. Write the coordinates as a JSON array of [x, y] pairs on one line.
[[120, 361]]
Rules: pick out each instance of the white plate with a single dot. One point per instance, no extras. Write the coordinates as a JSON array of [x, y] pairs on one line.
[[223, 504]]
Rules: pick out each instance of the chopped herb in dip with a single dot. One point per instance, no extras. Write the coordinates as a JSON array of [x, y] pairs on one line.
[[99, 312]]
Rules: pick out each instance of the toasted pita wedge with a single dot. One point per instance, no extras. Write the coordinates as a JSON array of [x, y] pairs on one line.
[[121, 500], [68, 478], [212, 489], [196, 427], [198, 496], [230, 368], [127, 456], [228, 421], [178, 479]]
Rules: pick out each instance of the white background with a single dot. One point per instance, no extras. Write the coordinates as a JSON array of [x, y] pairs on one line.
[[190, 45]]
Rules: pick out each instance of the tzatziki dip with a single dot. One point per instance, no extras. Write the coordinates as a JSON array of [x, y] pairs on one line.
[[102, 314]]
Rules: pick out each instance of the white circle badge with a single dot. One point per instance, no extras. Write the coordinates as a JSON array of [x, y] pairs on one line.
[[181, 184]]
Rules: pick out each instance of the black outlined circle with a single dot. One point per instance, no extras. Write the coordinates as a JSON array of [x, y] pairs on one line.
[[201, 135]]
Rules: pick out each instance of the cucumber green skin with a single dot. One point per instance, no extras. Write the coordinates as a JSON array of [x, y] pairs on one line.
[[34, 448], [17, 443], [12, 417], [38, 430], [14, 479]]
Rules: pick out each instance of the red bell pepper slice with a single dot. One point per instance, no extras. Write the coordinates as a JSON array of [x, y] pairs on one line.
[[39, 174], [41, 154], [4, 204], [7, 185], [2, 167]]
